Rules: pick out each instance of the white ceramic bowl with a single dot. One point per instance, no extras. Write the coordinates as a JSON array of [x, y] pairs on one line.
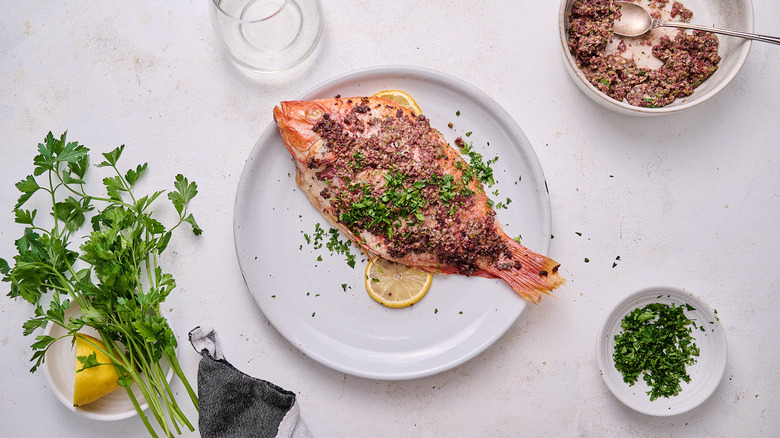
[[706, 373], [59, 370], [726, 14]]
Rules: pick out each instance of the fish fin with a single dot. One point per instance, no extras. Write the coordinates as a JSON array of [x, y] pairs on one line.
[[536, 274]]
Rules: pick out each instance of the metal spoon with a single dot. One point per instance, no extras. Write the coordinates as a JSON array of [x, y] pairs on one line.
[[636, 21]]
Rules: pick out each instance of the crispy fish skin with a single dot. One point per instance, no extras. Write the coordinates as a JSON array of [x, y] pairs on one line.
[[398, 190]]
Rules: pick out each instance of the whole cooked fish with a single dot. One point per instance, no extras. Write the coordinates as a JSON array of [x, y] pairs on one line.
[[398, 190]]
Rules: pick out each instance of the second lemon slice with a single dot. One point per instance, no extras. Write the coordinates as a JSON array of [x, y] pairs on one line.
[[395, 285]]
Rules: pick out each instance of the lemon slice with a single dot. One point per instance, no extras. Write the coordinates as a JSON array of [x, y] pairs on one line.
[[94, 382], [394, 285], [401, 98]]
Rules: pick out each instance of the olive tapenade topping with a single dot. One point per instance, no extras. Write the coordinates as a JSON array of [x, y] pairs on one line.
[[688, 59], [414, 207]]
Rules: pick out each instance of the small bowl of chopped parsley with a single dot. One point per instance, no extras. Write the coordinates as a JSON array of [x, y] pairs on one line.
[[662, 351]]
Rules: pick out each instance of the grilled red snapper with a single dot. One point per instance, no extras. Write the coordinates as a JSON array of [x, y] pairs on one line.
[[398, 190]]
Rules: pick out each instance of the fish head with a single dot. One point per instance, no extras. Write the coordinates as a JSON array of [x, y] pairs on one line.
[[296, 120]]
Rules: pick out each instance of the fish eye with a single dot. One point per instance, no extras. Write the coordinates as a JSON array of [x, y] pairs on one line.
[[314, 114]]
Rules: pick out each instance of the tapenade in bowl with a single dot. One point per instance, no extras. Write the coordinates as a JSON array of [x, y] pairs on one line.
[[664, 71]]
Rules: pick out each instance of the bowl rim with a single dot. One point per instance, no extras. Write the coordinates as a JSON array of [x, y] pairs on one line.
[[624, 107]]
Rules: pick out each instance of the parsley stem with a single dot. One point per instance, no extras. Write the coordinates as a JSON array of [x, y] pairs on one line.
[[174, 362], [141, 413]]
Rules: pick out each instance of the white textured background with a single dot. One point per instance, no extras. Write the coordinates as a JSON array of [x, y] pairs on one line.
[[690, 201]]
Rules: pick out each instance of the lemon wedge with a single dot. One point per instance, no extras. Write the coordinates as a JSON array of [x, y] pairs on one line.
[[394, 285], [92, 383], [401, 98]]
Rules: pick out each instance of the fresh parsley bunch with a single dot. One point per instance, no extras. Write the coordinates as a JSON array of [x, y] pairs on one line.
[[113, 277]]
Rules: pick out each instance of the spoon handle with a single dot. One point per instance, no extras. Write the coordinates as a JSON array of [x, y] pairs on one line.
[[736, 33]]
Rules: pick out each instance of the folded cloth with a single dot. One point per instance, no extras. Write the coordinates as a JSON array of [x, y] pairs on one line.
[[235, 405]]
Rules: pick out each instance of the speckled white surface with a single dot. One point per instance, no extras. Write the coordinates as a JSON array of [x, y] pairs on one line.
[[690, 201]]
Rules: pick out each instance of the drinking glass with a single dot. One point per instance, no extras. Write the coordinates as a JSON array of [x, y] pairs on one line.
[[267, 35]]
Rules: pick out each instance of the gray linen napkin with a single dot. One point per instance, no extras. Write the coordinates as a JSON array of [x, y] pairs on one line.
[[235, 405]]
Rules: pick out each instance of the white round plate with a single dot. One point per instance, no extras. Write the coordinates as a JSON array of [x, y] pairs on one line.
[[705, 374], [321, 306], [59, 369]]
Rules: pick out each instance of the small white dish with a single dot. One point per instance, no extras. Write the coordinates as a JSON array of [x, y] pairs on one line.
[[706, 373], [59, 369]]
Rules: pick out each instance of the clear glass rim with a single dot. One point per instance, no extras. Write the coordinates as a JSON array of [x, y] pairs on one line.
[[241, 20]]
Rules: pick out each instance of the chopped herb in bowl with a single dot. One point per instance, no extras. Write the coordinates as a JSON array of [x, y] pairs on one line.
[[656, 342]]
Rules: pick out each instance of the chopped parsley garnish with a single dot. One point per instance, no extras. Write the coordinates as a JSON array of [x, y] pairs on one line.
[[656, 342], [340, 247], [334, 244], [478, 168], [402, 202]]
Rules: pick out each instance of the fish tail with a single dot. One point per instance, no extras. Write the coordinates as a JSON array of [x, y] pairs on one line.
[[533, 276]]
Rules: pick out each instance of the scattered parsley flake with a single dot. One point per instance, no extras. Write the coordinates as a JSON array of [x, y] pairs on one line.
[[333, 243]]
